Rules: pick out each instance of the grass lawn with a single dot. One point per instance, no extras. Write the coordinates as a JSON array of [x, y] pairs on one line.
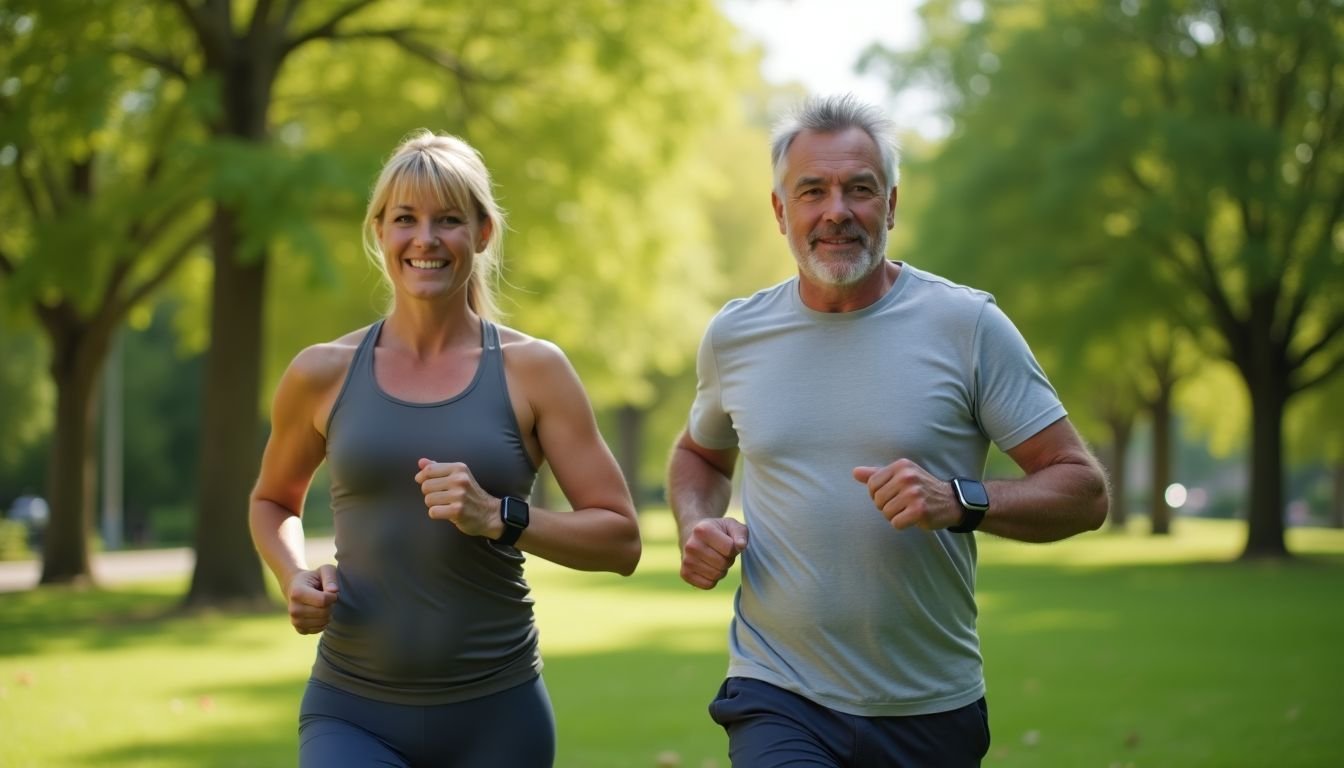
[[1106, 650]]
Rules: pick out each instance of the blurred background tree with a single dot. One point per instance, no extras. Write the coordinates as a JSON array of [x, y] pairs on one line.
[[103, 201], [1174, 163]]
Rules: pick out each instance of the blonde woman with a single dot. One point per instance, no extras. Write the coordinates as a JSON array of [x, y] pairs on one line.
[[433, 422]]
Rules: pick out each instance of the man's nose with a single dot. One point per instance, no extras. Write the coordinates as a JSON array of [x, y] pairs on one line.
[[837, 207]]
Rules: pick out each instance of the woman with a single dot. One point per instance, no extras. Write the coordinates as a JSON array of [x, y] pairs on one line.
[[433, 421]]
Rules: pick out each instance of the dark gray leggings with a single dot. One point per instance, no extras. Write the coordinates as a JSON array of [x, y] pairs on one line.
[[515, 727]]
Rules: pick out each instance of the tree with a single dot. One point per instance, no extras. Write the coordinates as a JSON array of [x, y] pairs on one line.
[[1202, 138], [614, 96], [100, 203]]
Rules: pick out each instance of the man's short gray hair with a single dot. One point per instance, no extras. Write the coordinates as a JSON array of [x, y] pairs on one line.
[[831, 114]]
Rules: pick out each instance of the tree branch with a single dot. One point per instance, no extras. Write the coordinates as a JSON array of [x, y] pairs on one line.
[[165, 269], [1332, 329], [208, 36], [29, 191], [1205, 276], [260, 13], [1331, 368], [164, 63], [326, 29]]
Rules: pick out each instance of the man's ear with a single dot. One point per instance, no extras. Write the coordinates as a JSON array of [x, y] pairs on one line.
[[891, 209], [778, 205]]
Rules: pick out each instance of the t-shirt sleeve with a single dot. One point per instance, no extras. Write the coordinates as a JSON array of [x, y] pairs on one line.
[[710, 425], [1014, 399]]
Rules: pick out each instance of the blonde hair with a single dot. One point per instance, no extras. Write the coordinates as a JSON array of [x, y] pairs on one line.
[[453, 171]]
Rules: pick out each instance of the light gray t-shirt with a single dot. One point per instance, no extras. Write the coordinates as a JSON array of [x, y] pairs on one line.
[[835, 604]]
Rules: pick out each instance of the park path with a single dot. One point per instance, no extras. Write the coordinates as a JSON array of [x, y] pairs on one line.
[[137, 565]]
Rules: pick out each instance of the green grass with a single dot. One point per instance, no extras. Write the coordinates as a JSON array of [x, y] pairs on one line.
[[1107, 650]]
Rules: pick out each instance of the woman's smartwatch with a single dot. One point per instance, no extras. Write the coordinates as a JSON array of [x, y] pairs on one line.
[[974, 501], [516, 515]]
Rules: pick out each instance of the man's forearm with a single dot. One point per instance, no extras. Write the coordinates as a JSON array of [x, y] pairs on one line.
[[1052, 504], [697, 490]]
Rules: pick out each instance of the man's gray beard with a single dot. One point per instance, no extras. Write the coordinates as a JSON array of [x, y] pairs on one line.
[[842, 274]]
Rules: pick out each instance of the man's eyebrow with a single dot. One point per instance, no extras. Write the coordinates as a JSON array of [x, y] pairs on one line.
[[859, 176]]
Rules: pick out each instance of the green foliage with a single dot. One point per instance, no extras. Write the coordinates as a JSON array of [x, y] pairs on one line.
[[100, 175], [25, 391]]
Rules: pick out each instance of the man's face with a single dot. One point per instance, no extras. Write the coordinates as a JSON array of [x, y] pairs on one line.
[[835, 207]]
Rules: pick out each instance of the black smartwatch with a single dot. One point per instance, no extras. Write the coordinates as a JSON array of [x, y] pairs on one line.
[[516, 515], [974, 501]]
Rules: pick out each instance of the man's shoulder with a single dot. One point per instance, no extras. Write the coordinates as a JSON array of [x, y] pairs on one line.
[[944, 289], [764, 303]]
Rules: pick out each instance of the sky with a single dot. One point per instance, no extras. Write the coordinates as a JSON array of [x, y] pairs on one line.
[[817, 43]]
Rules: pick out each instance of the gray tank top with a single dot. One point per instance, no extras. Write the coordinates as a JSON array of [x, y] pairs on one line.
[[426, 615]]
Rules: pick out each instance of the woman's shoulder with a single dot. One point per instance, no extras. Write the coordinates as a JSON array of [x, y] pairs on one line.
[[528, 349], [320, 365], [538, 364]]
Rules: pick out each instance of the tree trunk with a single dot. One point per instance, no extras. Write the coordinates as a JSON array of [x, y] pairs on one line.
[[1269, 395], [630, 428], [78, 354], [228, 570], [1118, 467], [1159, 512]]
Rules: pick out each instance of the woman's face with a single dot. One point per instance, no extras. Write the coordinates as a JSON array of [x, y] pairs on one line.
[[428, 249]]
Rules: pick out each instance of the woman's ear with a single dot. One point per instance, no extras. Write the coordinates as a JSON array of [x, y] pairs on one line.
[[483, 235]]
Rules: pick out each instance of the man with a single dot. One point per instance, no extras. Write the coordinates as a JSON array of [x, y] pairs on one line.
[[863, 395]]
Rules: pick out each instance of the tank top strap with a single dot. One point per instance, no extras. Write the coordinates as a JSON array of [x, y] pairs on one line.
[[364, 352], [492, 356], [490, 336], [359, 377]]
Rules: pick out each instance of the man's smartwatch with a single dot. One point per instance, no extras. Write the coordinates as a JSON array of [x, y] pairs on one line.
[[516, 515], [974, 501]]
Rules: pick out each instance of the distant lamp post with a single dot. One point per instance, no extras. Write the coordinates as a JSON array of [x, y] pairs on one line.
[[113, 444]]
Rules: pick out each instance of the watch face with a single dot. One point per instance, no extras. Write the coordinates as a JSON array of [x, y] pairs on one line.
[[972, 494], [515, 512]]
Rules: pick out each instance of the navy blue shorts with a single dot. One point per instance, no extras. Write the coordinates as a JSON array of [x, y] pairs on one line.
[[515, 727], [768, 726]]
